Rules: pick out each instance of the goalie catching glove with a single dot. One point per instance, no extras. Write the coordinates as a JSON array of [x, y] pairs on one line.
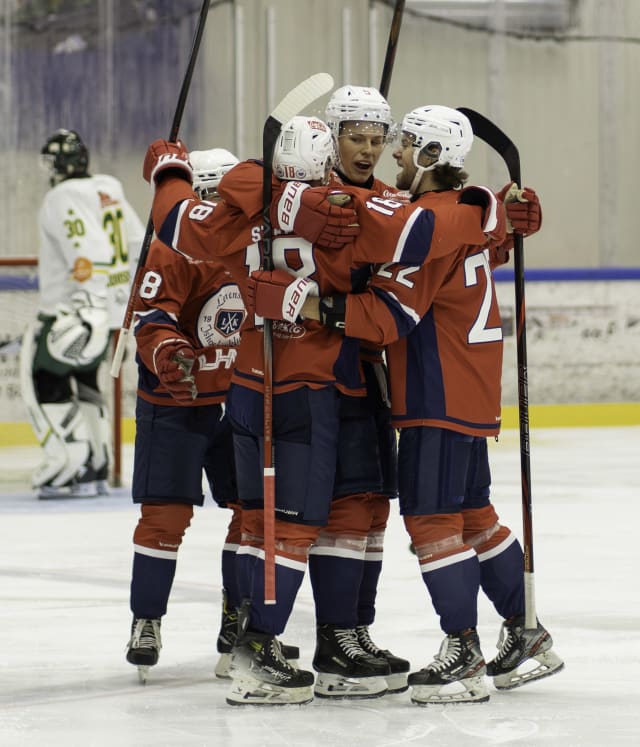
[[524, 214], [163, 156], [80, 333], [174, 362], [316, 214], [275, 294]]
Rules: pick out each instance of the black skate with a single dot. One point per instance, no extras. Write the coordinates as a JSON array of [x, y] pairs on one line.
[[144, 645], [524, 655], [397, 680], [345, 669], [455, 675], [227, 637], [262, 676]]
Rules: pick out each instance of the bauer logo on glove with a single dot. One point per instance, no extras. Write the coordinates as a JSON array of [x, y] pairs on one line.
[[277, 294]]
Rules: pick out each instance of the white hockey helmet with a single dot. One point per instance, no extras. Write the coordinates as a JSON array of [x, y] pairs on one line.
[[209, 166], [358, 104], [447, 127], [304, 151]]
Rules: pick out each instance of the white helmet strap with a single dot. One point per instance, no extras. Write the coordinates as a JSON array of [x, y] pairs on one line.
[[420, 170]]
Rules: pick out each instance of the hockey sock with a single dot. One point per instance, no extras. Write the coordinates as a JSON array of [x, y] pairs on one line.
[[272, 618], [151, 582], [336, 582], [454, 590], [501, 577], [368, 591], [230, 580]]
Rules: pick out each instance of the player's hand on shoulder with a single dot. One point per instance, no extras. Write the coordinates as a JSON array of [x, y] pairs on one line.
[[524, 213], [163, 157], [322, 215], [276, 294], [175, 364]]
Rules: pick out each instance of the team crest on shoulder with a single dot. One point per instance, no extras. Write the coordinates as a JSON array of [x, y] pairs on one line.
[[221, 317]]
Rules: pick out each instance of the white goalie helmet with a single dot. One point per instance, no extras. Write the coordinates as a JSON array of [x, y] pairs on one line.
[[209, 166], [358, 104], [304, 151], [448, 127]]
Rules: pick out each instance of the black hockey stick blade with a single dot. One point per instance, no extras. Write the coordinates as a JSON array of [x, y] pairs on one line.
[[493, 136]]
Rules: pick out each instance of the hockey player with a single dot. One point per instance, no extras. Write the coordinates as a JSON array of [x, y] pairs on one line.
[[187, 326], [87, 231], [311, 363], [442, 326], [346, 560]]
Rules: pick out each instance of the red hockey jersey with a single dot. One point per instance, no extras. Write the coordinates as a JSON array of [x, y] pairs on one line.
[[307, 353], [442, 325], [196, 301]]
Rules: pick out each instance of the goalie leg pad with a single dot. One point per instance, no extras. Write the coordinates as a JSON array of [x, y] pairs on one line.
[[66, 447], [98, 430]]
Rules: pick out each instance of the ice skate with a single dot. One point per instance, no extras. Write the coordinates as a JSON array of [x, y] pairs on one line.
[[144, 645], [344, 669], [227, 637], [73, 489], [523, 655], [262, 676], [397, 680], [455, 675]]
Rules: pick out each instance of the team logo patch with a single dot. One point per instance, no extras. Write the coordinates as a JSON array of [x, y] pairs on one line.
[[106, 200], [287, 330], [82, 269], [221, 317]]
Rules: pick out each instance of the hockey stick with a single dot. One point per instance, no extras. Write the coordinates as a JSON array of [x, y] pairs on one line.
[[125, 330], [295, 101], [392, 45], [496, 139]]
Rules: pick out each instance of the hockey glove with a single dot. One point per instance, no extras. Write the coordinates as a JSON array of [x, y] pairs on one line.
[[310, 213], [277, 294], [174, 361], [163, 156], [333, 311], [524, 214], [80, 333]]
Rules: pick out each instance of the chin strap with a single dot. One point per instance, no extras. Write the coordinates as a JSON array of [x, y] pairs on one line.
[[420, 170]]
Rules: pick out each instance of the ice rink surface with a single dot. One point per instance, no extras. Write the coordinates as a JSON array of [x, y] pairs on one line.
[[64, 621]]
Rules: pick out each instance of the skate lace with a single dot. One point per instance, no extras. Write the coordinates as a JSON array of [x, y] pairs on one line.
[[275, 649], [365, 641], [506, 642], [347, 639], [229, 627], [449, 652], [146, 634]]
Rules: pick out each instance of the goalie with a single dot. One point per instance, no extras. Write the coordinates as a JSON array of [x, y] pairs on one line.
[[87, 229]]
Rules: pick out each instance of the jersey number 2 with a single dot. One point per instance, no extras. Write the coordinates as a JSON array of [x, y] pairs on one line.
[[476, 267]]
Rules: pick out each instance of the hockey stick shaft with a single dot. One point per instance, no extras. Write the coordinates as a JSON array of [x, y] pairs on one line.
[[125, 330], [392, 46], [295, 101], [496, 139]]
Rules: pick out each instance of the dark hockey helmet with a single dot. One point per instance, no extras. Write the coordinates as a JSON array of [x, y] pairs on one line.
[[64, 155]]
